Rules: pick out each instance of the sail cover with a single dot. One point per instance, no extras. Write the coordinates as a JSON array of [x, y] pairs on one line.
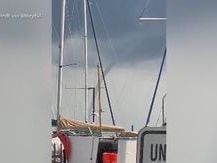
[[79, 125]]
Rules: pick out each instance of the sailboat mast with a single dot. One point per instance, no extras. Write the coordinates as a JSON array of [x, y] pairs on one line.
[[99, 99], [86, 61], [60, 78]]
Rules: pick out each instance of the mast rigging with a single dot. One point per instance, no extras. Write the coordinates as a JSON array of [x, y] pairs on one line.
[[100, 62], [156, 88]]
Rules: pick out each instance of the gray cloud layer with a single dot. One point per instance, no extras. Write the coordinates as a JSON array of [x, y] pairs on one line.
[[133, 41]]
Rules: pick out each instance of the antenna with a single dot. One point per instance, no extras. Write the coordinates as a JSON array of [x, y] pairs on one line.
[[163, 105]]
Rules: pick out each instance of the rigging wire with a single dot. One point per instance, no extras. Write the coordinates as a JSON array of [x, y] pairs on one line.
[[100, 62], [110, 43], [55, 32], [144, 9], [68, 25], [123, 91], [111, 46], [79, 29], [156, 88], [158, 118], [68, 20], [75, 74], [106, 30]]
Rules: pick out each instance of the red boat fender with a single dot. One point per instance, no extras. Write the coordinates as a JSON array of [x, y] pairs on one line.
[[109, 157], [65, 141]]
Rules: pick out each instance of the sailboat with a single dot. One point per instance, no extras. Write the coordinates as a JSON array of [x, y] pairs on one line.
[[84, 141]]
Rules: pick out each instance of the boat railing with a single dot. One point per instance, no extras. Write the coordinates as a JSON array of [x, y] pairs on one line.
[[58, 154]]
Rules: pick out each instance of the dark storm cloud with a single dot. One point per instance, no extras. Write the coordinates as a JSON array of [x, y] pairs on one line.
[[133, 41]]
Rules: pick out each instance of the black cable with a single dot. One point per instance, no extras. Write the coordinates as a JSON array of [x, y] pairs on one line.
[[100, 62], [146, 6], [155, 91]]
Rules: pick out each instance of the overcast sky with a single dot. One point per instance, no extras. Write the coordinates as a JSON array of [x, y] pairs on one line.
[[132, 49]]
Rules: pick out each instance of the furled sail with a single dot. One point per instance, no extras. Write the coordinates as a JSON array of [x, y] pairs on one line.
[[79, 125]]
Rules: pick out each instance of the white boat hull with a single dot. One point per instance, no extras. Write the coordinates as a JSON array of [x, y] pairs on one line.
[[127, 150], [84, 149]]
